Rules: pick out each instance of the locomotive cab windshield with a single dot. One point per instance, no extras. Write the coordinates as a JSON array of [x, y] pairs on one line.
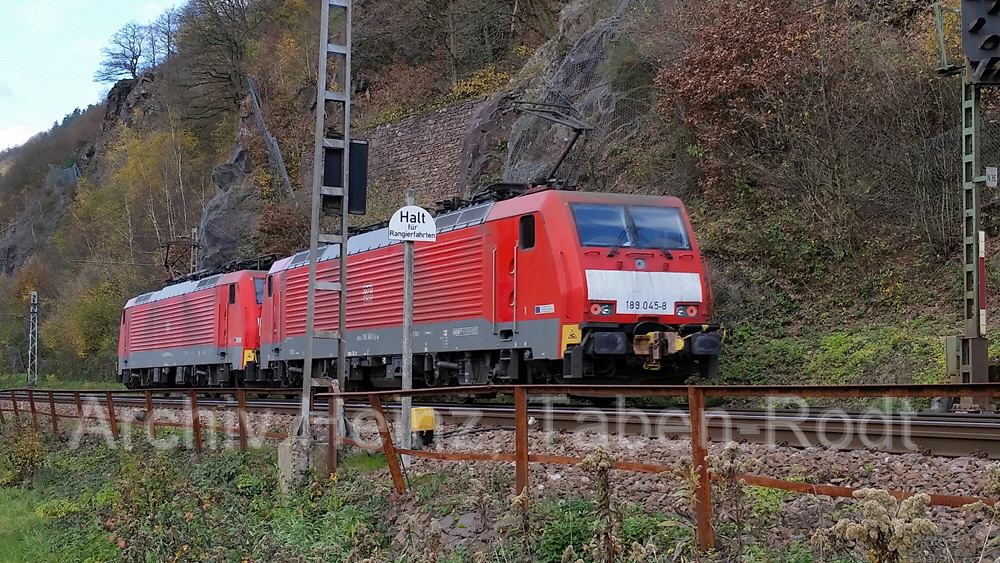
[[634, 226]]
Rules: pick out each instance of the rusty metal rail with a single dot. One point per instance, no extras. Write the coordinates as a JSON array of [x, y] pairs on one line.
[[698, 432], [15, 396]]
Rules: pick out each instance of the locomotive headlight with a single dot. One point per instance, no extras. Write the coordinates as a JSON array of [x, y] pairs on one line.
[[602, 309], [686, 311]]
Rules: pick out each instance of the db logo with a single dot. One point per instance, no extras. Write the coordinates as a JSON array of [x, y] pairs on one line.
[[368, 292]]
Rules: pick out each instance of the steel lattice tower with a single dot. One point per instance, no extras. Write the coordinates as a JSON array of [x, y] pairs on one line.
[[32, 371], [335, 56]]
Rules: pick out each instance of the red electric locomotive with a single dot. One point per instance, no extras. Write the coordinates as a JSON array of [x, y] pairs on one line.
[[195, 333], [554, 285]]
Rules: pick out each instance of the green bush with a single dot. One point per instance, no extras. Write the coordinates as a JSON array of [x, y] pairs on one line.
[[637, 526], [877, 354], [22, 456], [754, 356], [569, 522]]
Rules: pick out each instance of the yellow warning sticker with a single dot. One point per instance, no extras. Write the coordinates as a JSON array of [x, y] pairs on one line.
[[249, 356], [571, 334]]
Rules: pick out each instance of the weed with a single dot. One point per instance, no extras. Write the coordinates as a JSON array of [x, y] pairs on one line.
[[58, 508], [366, 549], [990, 489], [766, 504], [426, 486], [22, 457], [521, 504], [569, 556], [731, 495], [433, 543], [483, 82], [144, 482], [429, 544], [685, 477], [481, 500], [639, 527], [570, 525], [607, 545], [886, 530]]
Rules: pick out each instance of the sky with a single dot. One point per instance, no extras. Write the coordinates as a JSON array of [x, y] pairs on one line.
[[49, 51]]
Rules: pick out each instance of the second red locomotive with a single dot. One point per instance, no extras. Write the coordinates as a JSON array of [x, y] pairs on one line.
[[195, 333]]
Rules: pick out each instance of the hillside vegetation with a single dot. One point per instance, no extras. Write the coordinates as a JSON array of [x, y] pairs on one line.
[[814, 144]]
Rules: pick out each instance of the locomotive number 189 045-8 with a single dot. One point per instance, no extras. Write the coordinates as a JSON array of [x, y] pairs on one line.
[[644, 306]]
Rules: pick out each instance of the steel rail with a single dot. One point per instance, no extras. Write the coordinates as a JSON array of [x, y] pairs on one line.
[[941, 434], [924, 433]]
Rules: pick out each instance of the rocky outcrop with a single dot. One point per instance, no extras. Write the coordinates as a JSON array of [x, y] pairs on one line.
[[448, 151], [489, 127], [580, 82], [125, 96], [35, 228], [231, 216]]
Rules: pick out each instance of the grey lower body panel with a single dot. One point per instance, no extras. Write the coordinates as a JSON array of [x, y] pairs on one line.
[[540, 336], [192, 356]]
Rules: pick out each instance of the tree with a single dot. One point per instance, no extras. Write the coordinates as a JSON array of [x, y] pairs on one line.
[[123, 55], [162, 37], [217, 37], [821, 112], [472, 33]]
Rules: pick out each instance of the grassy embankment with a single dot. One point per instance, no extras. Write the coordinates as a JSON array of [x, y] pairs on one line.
[[17, 381], [98, 503]]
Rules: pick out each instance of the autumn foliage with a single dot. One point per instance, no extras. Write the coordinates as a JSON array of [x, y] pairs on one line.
[[283, 230], [824, 111], [740, 54]]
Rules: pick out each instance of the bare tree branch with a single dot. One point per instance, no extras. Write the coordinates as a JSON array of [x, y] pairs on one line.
[[123, 55]]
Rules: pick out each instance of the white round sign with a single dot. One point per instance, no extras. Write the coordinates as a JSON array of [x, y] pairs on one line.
[[412, 223]]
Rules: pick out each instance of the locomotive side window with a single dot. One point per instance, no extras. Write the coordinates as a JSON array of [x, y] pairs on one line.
[[258, 289], [527, 232], [270, 286], [232, 293]]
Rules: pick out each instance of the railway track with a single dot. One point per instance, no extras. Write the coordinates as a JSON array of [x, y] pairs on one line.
[[950, 435], [926, 433]]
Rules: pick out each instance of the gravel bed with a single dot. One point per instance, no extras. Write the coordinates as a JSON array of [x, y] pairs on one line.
[[801, 515]]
